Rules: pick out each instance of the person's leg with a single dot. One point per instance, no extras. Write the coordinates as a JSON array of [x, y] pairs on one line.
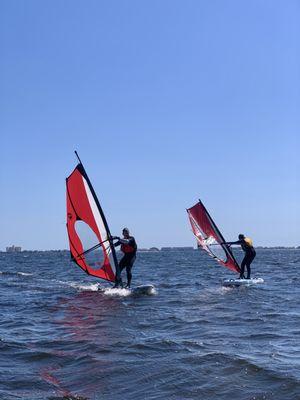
[[122, 265], [129, 276], [249, 261], [128, 270], [248, 269], [243, 267]]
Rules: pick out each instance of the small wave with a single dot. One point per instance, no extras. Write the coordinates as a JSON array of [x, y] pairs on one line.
[[153, 291], [156, 345], [295, 261], [24, 273], [93, 287], [266, 335], [10, 345], [68, 398], [296, 278], [15, 273], [149, 290], [172, 285]]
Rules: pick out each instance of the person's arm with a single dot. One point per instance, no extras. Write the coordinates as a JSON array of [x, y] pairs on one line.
[[125, 241], [232, 243], [118, 241], [122, 241]]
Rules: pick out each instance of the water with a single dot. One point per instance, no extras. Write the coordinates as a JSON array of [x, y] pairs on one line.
[[61, 338]]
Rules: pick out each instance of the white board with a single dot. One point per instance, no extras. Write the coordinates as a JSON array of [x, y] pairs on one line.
[[147, 290], [242, 282]]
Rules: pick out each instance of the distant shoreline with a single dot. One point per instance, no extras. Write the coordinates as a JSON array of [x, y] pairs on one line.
[[156, 250]]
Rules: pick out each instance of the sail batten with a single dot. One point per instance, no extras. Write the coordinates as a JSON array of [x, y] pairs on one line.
[[209, 237], [90, 240]]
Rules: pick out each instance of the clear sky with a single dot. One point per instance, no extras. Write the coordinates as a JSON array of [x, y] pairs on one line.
[[166, 101]]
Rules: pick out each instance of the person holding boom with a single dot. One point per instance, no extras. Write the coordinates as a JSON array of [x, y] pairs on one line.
[[250, 253], [129, 248]]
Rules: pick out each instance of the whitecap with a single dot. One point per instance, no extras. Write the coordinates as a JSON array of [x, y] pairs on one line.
[[24, 273], [94, 287]]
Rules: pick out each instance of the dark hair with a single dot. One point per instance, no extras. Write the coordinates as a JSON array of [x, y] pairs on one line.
[[241, 236]]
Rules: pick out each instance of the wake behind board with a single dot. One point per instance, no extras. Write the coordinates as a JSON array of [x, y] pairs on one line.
[[142, 290], [241, 282]]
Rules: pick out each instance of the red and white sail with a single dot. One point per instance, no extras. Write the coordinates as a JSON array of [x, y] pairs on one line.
[[209, 237], [90, 240]]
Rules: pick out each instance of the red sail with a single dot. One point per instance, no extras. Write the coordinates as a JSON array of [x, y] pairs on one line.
[[89, 237], [210, 238]]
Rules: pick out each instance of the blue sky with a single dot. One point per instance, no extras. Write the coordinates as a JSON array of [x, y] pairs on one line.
[[166, 102]]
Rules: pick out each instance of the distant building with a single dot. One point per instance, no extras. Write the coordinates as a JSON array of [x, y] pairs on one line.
[[183, 248], [13, 249], [153, 249]]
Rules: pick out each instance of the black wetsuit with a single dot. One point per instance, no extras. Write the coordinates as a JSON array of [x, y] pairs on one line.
[[250, 254], [129, 248]]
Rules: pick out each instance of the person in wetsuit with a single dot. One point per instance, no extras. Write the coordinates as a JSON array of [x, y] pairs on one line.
[[250, 253], [129, 248]]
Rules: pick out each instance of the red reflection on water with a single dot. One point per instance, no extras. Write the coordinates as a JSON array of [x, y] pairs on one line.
[[83, 318]]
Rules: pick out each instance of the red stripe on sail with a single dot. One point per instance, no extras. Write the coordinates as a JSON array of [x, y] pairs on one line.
[[205, 229], [79, 209]]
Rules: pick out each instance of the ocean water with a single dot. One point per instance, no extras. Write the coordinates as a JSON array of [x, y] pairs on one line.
[[61, 338]]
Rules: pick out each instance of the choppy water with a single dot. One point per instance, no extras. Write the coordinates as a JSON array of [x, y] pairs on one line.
[[193, 339]]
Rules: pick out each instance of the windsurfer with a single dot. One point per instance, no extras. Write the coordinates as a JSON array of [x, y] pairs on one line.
[[129, 248], [250, 253]]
